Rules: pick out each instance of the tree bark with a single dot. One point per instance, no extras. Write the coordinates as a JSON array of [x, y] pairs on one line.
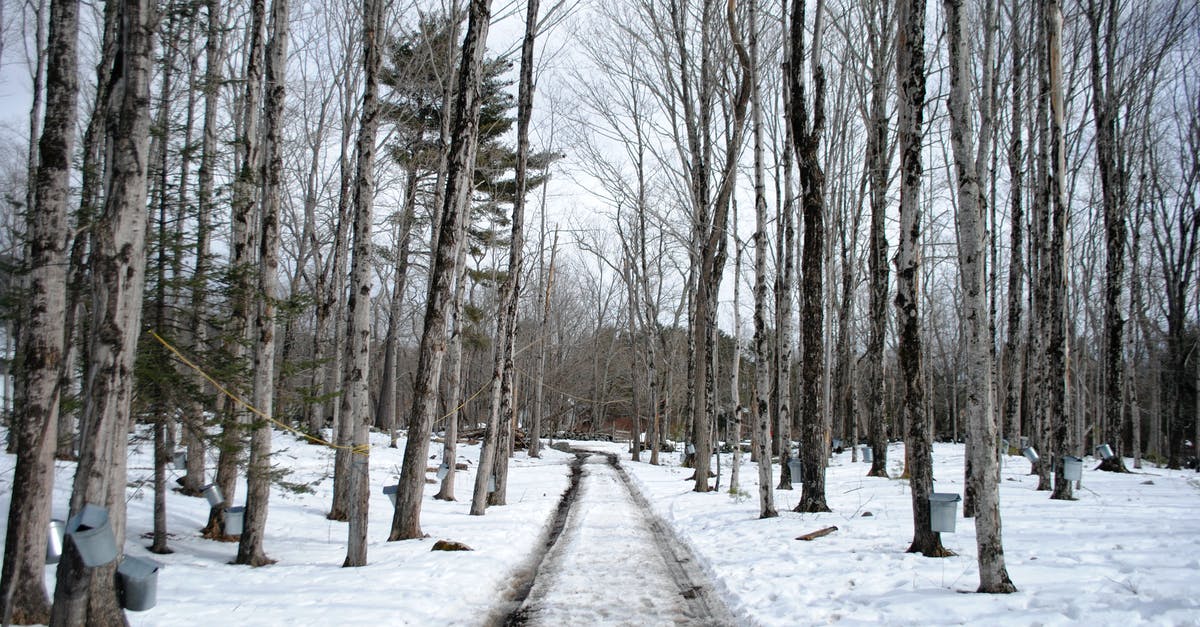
[[910, 74], [1055, 270], [806, 138], [87, 595], [509, 289], [762, 362], [258, 469], [406, 520], [23, 598], [356, 399], [972, 250]]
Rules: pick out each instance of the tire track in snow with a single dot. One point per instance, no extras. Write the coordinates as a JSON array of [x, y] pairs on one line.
[[614, 563]]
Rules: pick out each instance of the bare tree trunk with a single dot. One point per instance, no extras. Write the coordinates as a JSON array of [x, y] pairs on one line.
[[75, 327], [87, 595], [1011, 361], [258, 470], [1055, 271], [711, 260], [806, 137], [535, 432], [762, 367], [910, 71], [356, 399], [973, 246], [1112, 187], [243, 206], [784, 282], [406, 521], [507, 300], [23, 599]]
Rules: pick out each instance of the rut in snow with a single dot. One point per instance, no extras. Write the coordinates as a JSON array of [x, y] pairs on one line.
[[610, 561]]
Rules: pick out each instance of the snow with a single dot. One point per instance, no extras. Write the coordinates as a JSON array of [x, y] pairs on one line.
[[606, 567], [1127, 552]]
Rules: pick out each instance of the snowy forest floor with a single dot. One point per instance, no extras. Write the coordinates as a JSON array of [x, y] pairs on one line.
[[1127, 552]]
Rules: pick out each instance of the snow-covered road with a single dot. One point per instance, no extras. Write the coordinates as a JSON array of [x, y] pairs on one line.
[[616, 565]]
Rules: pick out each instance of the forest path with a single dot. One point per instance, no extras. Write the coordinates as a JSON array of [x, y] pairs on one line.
[[615, 563]]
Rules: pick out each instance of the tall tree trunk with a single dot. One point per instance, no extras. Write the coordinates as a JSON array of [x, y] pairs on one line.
[[161, 401], [406, 520], [356, 399], [785, 256], [973, 249], [23, 599], [258, 469], [510, 288], [1055, 270], [547, 275], [806, 138], [910, 72], [711, 260], [241, 271], [1011, 360], [1112, 187], [194, 431], [87, 595], [90, 196], [762, 367]]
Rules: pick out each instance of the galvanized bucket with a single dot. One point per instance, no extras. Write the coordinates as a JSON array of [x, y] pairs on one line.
[[139, 583], [837, 443], [390, 492], [1030, 454], [1104, 451], [690, 449], [943, 511], [234, 519], [1072, 468], [54, 541], [442, 471], [491, 483], [796, 467], [868, 454], [93, 536], [213, 494], [179, 460]]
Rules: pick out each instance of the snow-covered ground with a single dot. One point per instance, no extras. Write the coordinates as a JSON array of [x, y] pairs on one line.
[[1127, 552]]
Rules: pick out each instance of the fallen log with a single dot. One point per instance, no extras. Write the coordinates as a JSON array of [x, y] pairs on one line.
[[809, 537]]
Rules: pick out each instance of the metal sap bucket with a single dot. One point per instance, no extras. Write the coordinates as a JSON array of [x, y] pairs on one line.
[[139, 583], [690, 449], [1031, 454], [868, 454], [93, 536], [491, 483], [837, 443], [213, 494], [796, 467], [390, 492], [179, 460], [1104, 451], [54, 541], [1072, 468], [943, 511], [442, 471], [235, 518]]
